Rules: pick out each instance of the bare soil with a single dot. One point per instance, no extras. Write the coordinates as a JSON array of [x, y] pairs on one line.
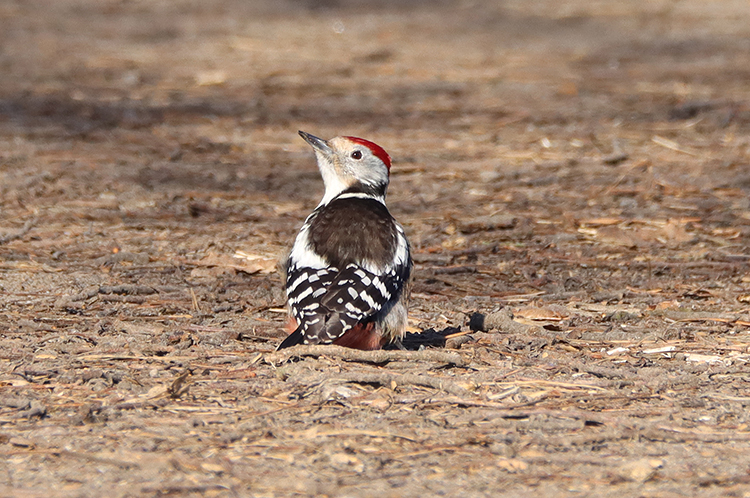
[[574, 178]]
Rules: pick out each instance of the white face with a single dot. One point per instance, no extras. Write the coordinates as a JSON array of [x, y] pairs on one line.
[[344, 163], [356, 163]]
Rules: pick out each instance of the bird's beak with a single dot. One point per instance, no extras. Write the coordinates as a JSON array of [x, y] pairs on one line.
[[318, 144]]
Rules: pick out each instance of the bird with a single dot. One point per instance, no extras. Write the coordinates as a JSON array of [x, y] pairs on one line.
[[348, 271]]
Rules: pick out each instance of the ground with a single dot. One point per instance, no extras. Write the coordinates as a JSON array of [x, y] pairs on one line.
[[573, 176]]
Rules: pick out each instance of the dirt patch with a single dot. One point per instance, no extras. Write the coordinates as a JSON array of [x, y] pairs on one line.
[[574, 181]]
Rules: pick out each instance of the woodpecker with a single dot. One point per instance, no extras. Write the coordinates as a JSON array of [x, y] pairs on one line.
[[350, 263]]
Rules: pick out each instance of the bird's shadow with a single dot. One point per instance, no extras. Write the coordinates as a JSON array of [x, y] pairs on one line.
[[426, 338]]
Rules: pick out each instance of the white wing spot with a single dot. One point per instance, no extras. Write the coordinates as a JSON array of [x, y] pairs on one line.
[[381, 288], [319, 292], [353, 309], [298, 281], [369, 300], [308, 291]]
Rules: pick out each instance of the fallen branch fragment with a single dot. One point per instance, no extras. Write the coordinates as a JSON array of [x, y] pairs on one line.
[[503, 321], [379, 356], [390, 380], [123, 299], [700, 316], [114, 293], [81, 296]]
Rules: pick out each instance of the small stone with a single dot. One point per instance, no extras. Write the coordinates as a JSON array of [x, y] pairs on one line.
[[640, 470]]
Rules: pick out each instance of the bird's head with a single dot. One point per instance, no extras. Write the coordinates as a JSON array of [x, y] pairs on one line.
[[351, 164]]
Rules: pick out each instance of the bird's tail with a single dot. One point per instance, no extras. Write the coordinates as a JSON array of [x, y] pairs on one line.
[[292, 339]]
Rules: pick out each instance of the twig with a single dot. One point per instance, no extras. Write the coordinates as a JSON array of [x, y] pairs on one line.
[[173, 489], [680, 434], [504, 409], [180, 385], [438, 449], [551, 383], [610, 373], [672, 145], [196, 306], [315, 432], [75, 454], [459, 334], [516, 410], [379, 356], [20, 233], [127, 289], [687, 316], [122, 357], [96, 459], [388, 380]]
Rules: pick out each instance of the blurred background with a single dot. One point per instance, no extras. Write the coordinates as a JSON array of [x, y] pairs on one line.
[[201, 95], [584, 164]]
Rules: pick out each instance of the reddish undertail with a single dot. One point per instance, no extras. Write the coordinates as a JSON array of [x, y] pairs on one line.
[[365, 337]]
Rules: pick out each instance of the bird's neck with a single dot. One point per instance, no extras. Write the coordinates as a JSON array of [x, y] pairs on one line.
[[361, 190]]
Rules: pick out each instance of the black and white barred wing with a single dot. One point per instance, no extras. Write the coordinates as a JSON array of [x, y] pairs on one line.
[[305, 287], [328, 302]]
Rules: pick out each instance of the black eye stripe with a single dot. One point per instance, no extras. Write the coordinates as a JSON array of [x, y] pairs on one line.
[[357, 154]]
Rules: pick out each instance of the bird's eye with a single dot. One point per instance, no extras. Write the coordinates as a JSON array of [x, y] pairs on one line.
[[357, 154]]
